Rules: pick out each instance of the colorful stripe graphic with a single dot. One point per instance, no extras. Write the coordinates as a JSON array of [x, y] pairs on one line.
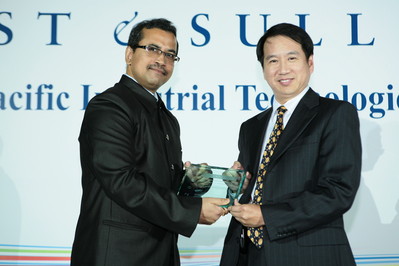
[[11, 255], [200, 257], [378, 260], [34, 255]]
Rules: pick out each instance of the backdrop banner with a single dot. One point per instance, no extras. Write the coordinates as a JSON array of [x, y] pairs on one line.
[[56, 55]]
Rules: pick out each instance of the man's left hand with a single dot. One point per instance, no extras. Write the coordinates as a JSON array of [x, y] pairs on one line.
[[249, 215]]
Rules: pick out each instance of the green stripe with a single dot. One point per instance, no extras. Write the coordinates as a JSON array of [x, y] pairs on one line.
[[35, 251]]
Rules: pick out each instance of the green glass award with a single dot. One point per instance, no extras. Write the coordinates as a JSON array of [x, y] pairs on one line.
[[212, 181]]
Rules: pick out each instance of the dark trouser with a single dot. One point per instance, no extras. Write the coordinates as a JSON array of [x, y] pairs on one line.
[[249, 254]]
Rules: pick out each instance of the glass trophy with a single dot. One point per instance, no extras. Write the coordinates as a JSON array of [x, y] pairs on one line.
[[212, 181]]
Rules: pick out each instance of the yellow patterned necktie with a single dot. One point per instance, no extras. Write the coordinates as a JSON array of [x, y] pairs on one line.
[[256, 233]]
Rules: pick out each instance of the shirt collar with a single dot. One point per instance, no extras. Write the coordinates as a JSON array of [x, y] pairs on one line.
[[292, 103], [153, 94]]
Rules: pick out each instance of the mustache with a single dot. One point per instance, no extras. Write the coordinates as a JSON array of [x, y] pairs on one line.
[[158, 67]]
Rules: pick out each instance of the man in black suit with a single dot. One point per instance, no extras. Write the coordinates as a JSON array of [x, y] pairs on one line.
[[292, 211], [131, 160]]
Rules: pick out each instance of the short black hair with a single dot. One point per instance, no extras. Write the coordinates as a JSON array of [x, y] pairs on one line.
[[136, 34], [289, 30]]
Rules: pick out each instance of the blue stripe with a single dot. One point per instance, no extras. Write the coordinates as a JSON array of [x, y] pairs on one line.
[[28, 246], [378, 258], [378, 262], [38, 264]]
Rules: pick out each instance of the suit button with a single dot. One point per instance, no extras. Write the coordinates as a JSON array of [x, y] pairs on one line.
[[172, 167], [167, 137]]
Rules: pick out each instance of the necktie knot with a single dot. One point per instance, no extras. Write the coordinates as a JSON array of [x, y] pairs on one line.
[[281, 110]]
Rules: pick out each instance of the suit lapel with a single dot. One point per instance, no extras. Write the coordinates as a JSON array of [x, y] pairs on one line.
[[255, 137], [258, 135], [300, 119], [148, 101]]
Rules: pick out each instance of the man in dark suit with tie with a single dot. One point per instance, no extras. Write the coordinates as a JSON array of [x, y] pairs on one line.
[[305, 177], [131, 159]]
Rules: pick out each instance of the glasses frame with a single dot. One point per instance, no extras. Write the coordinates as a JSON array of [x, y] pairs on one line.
[[159, 51]]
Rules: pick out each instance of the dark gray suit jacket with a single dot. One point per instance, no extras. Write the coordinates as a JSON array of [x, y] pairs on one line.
[[311, 182], [131, 160]]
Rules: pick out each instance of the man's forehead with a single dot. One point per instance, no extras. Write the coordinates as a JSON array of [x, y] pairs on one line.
[[157, 36]]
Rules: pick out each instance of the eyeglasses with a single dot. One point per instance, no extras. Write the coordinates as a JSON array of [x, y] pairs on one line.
[[155, 51]]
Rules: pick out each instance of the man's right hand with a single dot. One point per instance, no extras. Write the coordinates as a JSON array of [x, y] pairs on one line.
[[197, 175], [233, 184], [211, 210]]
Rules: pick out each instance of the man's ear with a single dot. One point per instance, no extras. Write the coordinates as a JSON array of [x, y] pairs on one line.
[[311, 64], [128, 55]]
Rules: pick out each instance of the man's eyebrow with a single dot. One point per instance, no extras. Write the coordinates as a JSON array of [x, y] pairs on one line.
[[289, 53], [159, 47], [293, 53], [270, 56], [172, 51]]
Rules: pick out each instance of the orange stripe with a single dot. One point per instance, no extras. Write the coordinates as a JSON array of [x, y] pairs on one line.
[[34, 258]]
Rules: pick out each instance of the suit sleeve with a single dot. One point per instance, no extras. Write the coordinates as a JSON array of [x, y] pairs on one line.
[[324, 175], [107, 138]]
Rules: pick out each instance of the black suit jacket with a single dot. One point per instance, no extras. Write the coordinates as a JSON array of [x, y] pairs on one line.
[[311, 182], [131, 162]]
